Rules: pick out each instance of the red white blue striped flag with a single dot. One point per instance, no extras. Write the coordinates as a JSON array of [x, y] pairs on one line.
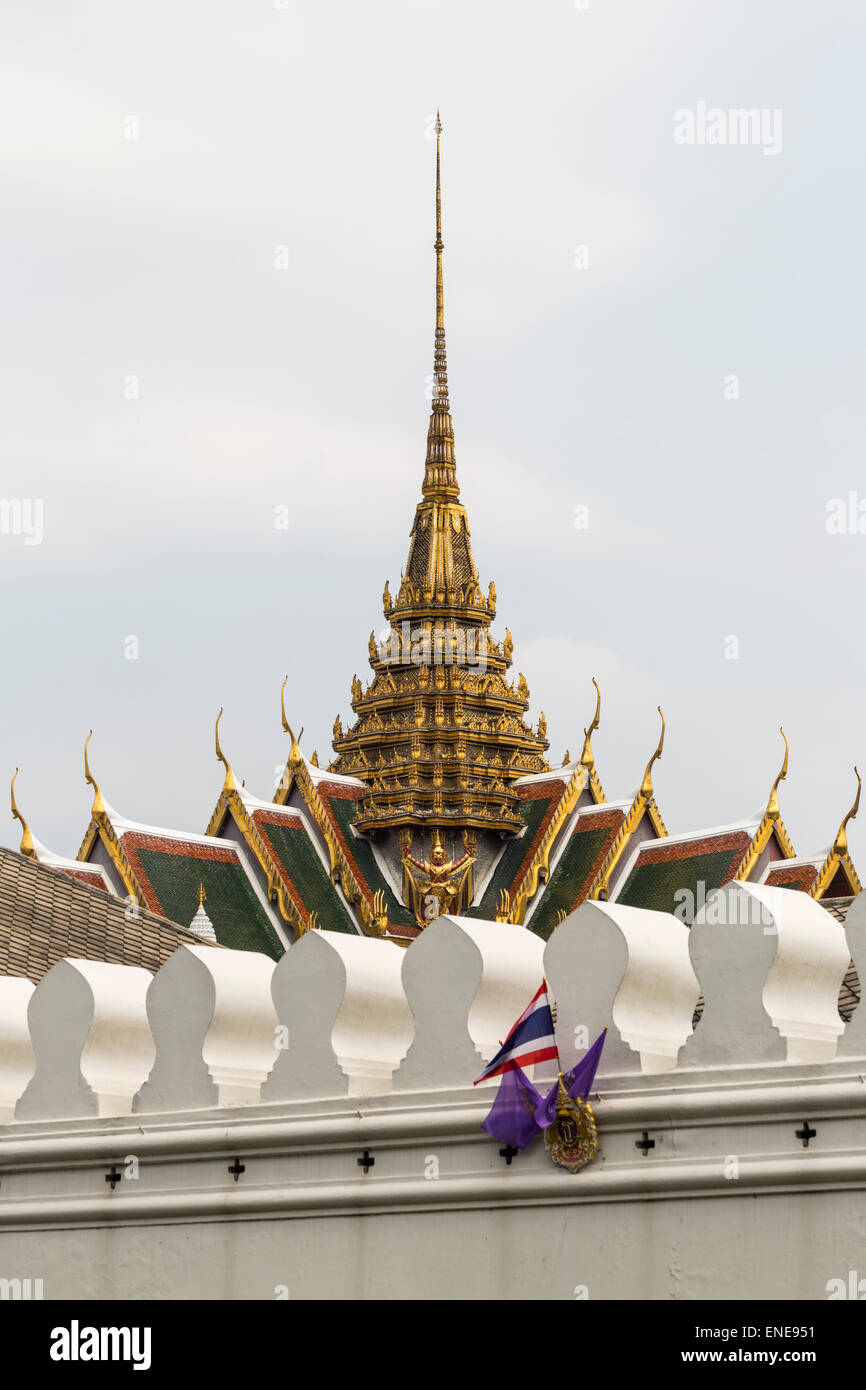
[[532, 1039]]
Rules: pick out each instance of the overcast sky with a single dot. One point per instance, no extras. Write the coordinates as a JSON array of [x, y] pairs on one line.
[[170, 377]]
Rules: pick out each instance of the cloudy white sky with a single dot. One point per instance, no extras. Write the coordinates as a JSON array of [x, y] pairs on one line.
[[307, 127]]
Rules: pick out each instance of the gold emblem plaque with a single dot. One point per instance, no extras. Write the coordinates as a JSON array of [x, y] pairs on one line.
[[572, 1139]]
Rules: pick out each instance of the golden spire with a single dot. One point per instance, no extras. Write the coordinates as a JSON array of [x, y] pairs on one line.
[[429, 717], [201, 894], [229, 785], [295, 754], [439, 244], [840, 844], [646, 786], [587, 757], [27, 846], [440, 477], [98, 807], [773, 803]]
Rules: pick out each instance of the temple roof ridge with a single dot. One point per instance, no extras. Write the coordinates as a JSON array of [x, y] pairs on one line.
[[748, 826]]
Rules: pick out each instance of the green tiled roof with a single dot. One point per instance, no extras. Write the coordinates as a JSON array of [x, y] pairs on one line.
[[362, 852], [307, 873], [570, 874], [238, 917], [533, 812], [655, 885]]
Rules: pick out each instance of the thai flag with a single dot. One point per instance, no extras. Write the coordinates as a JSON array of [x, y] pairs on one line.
[[532, 1039]]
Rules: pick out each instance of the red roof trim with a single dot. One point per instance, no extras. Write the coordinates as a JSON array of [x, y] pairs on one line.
[[553, 792], [802, 876], [602, 820], [326, 791], [663, 852], [92, 879], [133, 840], [261, 819]]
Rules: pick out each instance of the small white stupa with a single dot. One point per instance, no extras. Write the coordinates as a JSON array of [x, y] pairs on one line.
[[201, 924]]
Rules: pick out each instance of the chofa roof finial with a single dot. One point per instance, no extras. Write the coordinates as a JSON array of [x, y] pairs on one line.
[[98, 807], [27, 847], [229, 785], [295, 754], [840, 844], [773, 802], [587, 757], [646, 786]]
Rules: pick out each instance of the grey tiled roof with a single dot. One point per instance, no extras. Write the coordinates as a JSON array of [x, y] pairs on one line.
[[45, 915], [849, 994]]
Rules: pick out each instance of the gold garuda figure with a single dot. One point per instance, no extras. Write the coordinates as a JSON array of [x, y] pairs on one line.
[[437, 886]]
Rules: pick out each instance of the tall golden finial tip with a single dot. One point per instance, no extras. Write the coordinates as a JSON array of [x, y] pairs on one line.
[[840, 844], [587, 758], [26, 847], [229, 785], [773, 803], [295, 755], [438, 126], [646, 785], [98, 802]]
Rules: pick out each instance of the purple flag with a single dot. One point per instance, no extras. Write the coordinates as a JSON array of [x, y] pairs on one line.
[[577, 1082], [512, 1115]]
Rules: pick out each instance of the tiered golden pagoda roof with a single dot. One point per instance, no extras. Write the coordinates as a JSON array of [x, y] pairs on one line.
[[440, 734]]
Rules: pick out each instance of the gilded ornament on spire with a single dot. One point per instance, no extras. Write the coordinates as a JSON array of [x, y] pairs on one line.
[[587, 758], [295, 754], [27, 846], [229, 785], [773, 802], [646, 786], [98, 807], [840, 844]]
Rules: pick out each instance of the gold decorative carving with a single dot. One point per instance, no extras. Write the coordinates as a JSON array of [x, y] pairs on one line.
[[572, 1139], [27, 846], [643, 804], [100, 827], [437, 886], [838, 856], [771, 824]]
